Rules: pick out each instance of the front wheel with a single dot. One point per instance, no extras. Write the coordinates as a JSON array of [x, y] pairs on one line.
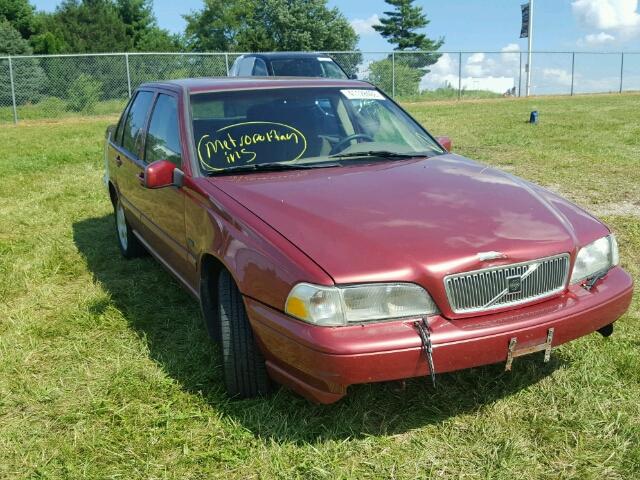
[[245, 372], [130, 246]]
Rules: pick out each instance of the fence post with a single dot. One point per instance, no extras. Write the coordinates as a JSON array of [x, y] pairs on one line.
[[573, 69], [459, 75], [520, 76], [621, 70], [126, 61], [393, 75], [226, 61], [13, 92]]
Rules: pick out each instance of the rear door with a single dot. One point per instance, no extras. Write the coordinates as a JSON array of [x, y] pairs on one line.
[[128, 163], [114, 142]]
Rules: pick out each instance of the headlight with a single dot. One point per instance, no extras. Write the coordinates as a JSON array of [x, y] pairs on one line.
[[332, 306], [598, 256]]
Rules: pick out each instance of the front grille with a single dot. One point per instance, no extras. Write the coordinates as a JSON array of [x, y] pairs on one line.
[[488, 289]]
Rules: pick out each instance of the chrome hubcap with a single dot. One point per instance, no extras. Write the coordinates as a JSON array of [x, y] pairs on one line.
[[121, 223]]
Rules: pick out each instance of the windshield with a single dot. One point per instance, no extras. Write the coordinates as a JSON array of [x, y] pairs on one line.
[[302, 126]]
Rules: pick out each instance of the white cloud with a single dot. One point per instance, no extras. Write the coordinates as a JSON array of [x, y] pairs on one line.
[[505, 64], [618, 16], [475, 58], [365, 26], [594, 40], [557, 76], [496, 72], [445, 65], [512, 47], [443, 72]]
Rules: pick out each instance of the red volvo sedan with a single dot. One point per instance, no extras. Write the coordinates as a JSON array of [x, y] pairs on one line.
[[331, 240]]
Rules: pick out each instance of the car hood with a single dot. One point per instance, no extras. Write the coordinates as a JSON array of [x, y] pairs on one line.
[[412, 220]]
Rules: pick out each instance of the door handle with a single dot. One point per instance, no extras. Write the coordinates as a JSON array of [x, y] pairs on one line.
[[118, 161], [140, 177]]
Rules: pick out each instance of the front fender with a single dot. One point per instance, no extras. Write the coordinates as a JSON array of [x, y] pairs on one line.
[[264, 264]]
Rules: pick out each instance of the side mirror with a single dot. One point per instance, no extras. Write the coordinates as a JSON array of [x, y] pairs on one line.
[[445, 142], [353, 76], [162, 173]]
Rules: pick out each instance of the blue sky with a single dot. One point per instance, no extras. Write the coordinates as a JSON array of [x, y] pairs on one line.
[[562, 25]]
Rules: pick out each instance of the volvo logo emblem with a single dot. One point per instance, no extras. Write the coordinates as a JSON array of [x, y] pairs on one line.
[[514, 284]]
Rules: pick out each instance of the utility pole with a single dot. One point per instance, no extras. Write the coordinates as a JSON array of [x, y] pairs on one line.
[[530, 35]]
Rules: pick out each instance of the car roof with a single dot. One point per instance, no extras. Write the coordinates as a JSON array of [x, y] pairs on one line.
[[276, 55], [207, 84]]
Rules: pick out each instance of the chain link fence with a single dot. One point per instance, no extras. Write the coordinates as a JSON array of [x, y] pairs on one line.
[[63, 85]]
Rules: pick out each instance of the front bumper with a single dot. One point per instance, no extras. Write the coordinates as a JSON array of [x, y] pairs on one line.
[[321, 362]]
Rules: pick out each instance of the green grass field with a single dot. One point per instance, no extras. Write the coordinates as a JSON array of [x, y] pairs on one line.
[[106, 370]]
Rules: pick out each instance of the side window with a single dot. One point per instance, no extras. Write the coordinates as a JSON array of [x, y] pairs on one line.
[[246, 67], [135, 121], [331, 70], [117, 137], [260, 68], [163, 138]]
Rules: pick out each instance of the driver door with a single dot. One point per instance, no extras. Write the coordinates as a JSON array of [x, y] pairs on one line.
[[163, 213]]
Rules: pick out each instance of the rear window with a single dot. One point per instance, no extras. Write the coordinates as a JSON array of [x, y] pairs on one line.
[[296, 67]]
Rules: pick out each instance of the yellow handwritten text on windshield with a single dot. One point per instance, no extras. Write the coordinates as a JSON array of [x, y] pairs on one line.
[[242, 143]]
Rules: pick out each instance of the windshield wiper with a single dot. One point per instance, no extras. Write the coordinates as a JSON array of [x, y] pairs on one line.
[[379, 154], [273, 167]]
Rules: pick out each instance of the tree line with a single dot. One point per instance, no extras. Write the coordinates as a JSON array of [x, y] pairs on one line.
[[98, 26], [94, 26]]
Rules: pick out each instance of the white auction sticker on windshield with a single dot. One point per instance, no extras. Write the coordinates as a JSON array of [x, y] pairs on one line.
[[361, 94], [324, 59]]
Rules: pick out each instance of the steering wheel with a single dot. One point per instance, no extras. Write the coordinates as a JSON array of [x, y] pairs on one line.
[[342, 144]]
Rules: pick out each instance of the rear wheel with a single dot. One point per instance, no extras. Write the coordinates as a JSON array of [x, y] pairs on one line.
[[245, 372], [130, 246]]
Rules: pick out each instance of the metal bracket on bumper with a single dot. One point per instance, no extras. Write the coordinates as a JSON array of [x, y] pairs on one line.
[[427, 346], [513, 353]]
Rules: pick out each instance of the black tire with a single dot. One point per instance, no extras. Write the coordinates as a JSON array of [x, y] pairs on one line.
[[130, 246], [245, 372], [209, 304]]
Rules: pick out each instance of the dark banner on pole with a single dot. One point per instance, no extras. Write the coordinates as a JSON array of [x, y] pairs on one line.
[[524, 32]]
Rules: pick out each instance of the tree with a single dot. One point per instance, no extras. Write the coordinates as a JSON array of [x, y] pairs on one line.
[[137, 15], [28, 77], [142, 27], [88, 26], [84, 94], [292, 25], [47, 38], [214, 28], [91, 26], [19, 13], [269, 25], [159, 40], [11, 42], [407, 78], [400, 27]]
